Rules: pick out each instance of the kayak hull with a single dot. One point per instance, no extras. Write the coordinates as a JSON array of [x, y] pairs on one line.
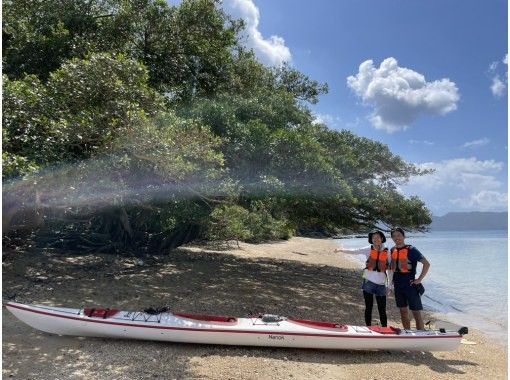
[[253, 331]]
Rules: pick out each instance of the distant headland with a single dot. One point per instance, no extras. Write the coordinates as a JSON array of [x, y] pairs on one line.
[[475, 220]]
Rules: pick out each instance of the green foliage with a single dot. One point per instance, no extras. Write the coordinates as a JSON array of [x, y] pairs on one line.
[[298, 84], [249, 77], [82, 108], [362, 159], [38, 36], [27, 129], [233, 222], [263, 226], [170, 149], [15, 166], [187, 49], [229, 222]]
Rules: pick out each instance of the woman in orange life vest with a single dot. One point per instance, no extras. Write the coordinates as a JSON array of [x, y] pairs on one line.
[[404, 260], [375, 275]]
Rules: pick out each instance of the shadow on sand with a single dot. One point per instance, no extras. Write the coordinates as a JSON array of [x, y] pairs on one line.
[[198, 282]]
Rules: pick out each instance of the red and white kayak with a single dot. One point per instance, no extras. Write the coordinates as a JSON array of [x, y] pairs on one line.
[[262, 330]]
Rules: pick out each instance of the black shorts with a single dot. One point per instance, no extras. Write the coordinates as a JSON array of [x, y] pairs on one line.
[[408, 296]]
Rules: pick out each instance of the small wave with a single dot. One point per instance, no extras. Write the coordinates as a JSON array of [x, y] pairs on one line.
[[443, 307], [433, 300]]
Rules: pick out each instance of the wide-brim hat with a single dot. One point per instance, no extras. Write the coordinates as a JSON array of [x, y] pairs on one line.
[[381, 234]]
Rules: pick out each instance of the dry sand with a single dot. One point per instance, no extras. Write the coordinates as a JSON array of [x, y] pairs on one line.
[[301, 277]]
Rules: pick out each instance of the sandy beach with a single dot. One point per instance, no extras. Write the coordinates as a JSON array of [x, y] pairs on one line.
[[301, 277]]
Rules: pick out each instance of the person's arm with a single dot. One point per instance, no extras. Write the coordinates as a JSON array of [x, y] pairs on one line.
[[424, 270], [389, 277], [354, 251]]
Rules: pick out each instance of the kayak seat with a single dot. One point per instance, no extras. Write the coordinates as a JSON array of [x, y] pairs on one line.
[[329, 325], [100, 313], [207, 318], [384, 330]]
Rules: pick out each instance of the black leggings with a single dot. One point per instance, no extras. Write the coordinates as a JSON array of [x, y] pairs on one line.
[[381, 306]]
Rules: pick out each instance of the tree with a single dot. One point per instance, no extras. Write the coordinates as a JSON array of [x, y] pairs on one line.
[[137, 125]]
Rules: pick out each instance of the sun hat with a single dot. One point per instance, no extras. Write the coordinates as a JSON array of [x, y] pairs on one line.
[[376, 232]]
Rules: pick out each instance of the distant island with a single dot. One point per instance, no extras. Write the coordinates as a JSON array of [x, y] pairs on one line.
[[476, 220]]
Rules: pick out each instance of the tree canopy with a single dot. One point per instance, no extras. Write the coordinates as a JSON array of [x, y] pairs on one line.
[[139, 126]]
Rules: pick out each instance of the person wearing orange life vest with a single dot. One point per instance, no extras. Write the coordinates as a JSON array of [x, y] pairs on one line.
[[375, 275], [404, 260]]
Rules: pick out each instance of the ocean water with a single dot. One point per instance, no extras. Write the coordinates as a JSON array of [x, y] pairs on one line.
[[468, 279]]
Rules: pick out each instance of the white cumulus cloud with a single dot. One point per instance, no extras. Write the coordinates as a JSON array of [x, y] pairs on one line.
[[460, 184], [399, 95], [498, 86], [485, 200], [271, 51]]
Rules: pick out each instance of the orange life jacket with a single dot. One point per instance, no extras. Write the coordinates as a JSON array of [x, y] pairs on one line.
[[399, 261], [377, 260]]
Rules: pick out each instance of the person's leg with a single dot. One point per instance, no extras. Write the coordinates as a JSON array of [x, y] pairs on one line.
[[416, 307], [419, 319], [401, 300], [369, 303], [381, 306], [404, 315]]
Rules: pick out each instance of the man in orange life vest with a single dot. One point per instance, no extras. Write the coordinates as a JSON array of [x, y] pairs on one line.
[[404, 260]]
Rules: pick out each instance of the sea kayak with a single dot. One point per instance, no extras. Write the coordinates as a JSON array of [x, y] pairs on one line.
[[260, 330]]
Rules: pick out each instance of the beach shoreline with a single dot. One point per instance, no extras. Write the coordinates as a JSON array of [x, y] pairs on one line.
[[302, 277]]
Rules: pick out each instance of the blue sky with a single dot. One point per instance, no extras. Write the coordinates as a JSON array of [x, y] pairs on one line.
[[427, 78]]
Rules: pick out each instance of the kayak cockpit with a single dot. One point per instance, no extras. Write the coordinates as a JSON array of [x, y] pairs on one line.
[[100, 312], [384, 330], [318, 324]]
